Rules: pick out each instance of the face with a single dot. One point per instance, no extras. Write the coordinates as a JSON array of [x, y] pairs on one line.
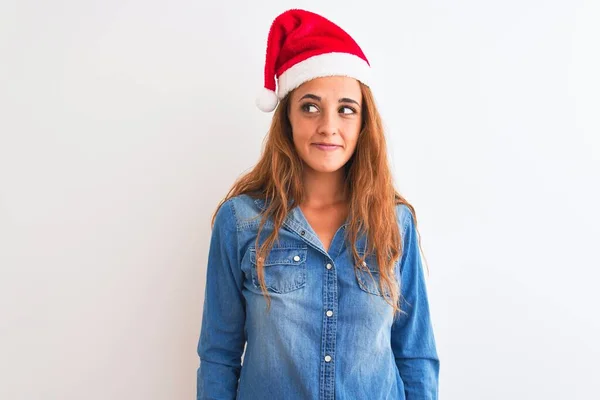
[[326, 111]]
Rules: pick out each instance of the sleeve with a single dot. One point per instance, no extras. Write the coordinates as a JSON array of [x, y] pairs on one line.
[[412, 339], [222, 335]]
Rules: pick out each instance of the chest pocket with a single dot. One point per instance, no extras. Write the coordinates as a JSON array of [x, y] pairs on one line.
[[369, 282], [285, 269]]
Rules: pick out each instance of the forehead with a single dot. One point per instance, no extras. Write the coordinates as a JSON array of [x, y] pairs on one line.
[[333, 87]]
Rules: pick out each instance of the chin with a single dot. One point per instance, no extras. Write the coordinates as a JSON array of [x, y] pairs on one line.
[[325, 168]]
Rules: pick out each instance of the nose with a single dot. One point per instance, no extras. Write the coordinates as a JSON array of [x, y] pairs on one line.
[[329, 122]]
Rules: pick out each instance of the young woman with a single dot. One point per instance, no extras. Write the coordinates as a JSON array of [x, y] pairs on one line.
[[314, 266]]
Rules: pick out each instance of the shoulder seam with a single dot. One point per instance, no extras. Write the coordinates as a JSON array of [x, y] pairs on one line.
[[237, 240], [233, 212], [404, 219]]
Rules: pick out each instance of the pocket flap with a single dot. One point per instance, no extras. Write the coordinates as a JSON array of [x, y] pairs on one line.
[[282, 255], [370, 262]]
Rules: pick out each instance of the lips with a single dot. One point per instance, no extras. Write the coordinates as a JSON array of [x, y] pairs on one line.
[[326, 147]]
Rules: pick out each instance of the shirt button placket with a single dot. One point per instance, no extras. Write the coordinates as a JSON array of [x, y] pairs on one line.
[[330, 298]]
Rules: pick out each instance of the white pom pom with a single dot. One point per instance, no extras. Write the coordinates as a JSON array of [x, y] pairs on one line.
[[267, 100]]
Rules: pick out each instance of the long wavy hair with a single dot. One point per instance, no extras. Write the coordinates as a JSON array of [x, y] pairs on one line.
[[277, 177]]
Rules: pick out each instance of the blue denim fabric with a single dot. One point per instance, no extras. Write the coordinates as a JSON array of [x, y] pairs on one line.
[[329, 333]]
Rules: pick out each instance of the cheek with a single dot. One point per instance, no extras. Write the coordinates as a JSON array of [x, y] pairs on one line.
[[351, 134], [301, 130]]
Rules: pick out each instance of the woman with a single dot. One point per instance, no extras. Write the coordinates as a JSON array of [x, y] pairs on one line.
[[314, 265]]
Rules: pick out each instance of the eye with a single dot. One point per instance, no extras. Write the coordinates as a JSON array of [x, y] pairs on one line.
[[350, 110], [307, 107]]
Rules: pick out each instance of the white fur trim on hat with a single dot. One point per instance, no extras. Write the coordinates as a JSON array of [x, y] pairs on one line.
[[327, 64], [266, 100]]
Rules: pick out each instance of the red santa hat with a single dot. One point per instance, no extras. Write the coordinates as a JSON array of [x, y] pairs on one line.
[[302, 46]]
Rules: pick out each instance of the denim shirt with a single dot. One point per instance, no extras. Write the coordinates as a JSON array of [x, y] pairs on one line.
[[329, 333]]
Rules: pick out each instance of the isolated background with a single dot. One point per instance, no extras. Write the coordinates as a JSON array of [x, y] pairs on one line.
[[123, 123]]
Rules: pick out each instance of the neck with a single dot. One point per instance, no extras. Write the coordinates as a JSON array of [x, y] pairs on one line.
[[323, 188]]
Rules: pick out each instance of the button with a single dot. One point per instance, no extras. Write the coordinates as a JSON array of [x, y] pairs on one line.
[[296, 258], [328, 266], [329, 313], [302, 232], [327, 358]]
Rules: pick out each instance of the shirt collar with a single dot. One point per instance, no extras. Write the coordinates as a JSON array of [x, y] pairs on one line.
[[296, 222]]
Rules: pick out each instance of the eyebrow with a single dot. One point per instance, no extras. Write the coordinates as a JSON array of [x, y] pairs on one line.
[[315, 97]]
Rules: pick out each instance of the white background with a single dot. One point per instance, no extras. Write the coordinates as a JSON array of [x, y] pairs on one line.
[[123, 123]]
